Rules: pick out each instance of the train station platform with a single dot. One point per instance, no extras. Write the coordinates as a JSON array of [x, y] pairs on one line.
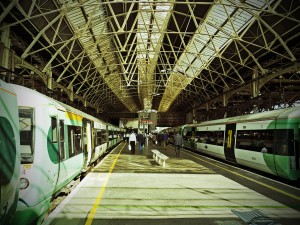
[[128, 189]]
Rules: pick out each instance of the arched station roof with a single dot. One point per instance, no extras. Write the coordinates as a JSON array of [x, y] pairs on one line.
[[169, 56]]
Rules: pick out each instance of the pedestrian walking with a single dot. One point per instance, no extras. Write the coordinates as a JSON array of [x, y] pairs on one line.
[[141, 140], [178, 142], [132, 142]]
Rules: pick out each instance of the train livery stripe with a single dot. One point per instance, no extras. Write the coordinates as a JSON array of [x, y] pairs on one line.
[[91, 214], [4, 90], [74, 118], [248, 178]]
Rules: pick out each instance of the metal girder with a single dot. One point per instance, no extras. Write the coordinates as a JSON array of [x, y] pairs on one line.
[[155, 54]]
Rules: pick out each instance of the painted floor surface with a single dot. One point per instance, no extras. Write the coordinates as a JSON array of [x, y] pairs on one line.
[[133, 189]]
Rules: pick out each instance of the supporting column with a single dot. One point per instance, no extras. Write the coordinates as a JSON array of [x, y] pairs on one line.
[[71, 95], [189, 117], [49, 79], [224, 103], [225, 100], [5, 54], [255, 87], [194, 112], [153, 118], [207, 109]]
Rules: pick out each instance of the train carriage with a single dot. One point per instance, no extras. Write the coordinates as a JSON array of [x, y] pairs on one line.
[[57, 144], [100, 139], [51, 155], [10, 153], [267, 141]]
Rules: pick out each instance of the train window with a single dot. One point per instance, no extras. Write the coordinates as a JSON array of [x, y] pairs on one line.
[[104, 137], [219, 138], [255, 140], [54, 129], [74, 137], [284, 142], [9, 154], [62, 140], [187, 134], [110, 134], [97, 138], [26, 134], [210, 137]]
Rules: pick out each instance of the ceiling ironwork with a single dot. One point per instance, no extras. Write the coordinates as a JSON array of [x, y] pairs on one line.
[[167, 55]]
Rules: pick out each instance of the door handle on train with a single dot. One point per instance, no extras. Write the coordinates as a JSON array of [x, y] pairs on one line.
[[205, 146]]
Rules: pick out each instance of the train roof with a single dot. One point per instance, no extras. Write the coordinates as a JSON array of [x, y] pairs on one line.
[[35, 98], [292, 112], [7, 88]]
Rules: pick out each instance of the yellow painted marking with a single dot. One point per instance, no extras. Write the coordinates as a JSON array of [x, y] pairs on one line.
[[8, 91], [73, 116], [229, 138], [27, 166], [91, 214], [248, 178]]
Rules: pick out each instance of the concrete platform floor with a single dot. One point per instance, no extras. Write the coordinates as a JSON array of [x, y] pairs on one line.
[[134, 189]]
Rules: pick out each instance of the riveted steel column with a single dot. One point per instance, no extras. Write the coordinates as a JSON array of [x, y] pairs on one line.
[[49, 78], [71, 95], [5, 50], [255, 86]]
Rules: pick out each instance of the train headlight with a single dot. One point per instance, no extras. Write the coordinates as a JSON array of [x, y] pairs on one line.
[[24, 183]]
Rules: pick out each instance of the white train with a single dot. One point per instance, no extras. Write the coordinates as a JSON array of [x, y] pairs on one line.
[[10, 153], [268, 141], [57, 144]]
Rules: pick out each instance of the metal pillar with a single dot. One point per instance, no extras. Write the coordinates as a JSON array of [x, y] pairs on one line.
[[5, 50], [71, 96], [255, 87], [49, 79]]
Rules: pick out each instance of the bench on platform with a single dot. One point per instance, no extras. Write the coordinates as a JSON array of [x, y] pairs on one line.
[[159, 157]]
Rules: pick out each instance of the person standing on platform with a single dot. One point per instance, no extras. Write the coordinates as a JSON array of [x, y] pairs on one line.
[[141, 140], [178, 142], [154, 140], [165, 139], [132, 142]]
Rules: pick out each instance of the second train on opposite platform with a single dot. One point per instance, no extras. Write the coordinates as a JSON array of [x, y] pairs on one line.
[[45, 144], [267, 141]]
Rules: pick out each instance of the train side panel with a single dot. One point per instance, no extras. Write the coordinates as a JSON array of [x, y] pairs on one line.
[[287, 144], [70, 151], [39, 174], [47, 163], [100, 139], [10, 153], [251, 138], [210, 140]]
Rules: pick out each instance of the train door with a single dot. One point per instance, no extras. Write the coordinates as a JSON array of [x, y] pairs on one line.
[[93, 146], [230, 142], [87, 141], [61, 146], [193, 138]]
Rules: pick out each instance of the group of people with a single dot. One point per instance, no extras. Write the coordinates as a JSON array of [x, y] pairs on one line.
[[157, 139], [140, 138]]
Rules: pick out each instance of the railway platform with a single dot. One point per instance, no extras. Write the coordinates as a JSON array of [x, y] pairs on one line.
[[188, 190]]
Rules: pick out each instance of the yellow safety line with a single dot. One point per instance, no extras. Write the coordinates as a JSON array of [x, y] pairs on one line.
[[248, 178], [91, 214]]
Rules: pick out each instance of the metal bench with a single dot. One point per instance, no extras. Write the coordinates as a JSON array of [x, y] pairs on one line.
[[159, 157]]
